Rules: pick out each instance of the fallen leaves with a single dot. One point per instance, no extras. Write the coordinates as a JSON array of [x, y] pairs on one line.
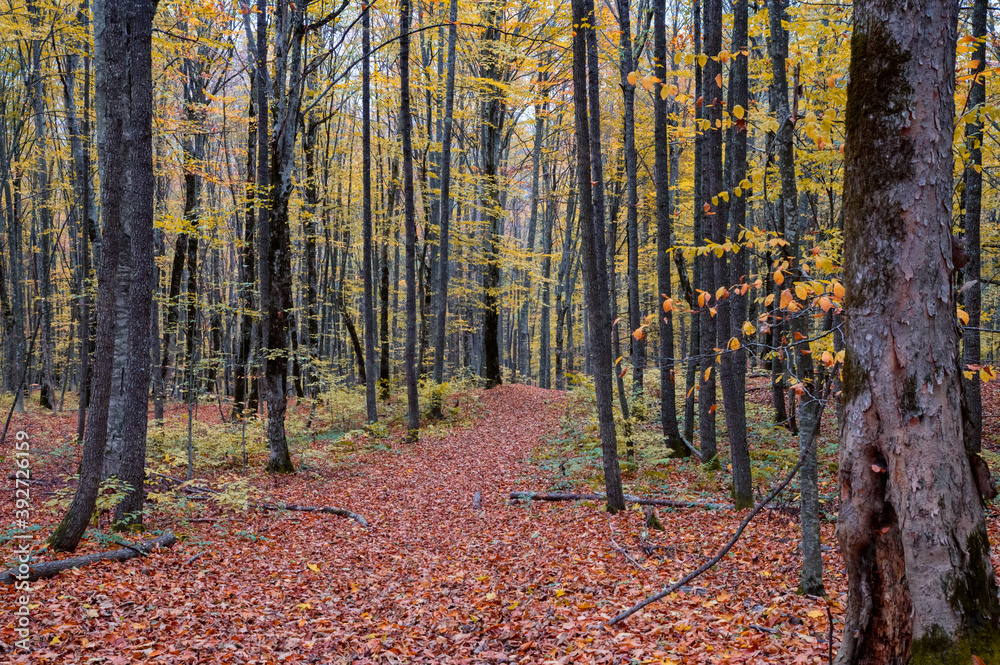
[[433, 580]]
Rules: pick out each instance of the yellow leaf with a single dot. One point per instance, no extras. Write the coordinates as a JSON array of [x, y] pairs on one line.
[[632, 78], [647, 82], [724, 196], [969, 374], [313, 567], [825, 303], [619, 359], [718, 80], [738, 112], [721, 293], [560, 593], [786, 298], [708, 373], [769, 299], [838, 291], [738, 192], [963, 316], [491, 596], [664, 93], [987, 374], [734, 344], [724, 56], [702, 59], [711, 310], [801, 291], [815, 614], [778, 277], [748, 328]]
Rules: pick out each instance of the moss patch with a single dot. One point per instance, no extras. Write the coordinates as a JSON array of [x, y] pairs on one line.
[[878, 156]]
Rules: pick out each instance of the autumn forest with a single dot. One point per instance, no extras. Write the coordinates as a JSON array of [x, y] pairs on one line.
[[438, 331]]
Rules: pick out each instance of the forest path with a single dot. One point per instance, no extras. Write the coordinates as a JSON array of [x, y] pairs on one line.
[[433, 580]]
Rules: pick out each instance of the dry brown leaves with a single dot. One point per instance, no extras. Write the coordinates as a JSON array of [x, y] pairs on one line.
[[434, 581]]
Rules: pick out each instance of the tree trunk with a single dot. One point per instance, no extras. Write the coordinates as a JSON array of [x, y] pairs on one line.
[[139, 139], [921, 587], [973, 214], [410, 222], [734, 363], [441, 285], [371, 405], [493, 115], [595, 270], [713, 225], [112, 70], [664, 231]]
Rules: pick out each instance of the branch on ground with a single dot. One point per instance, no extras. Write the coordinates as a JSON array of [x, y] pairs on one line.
[[52, 568], [630, 498]]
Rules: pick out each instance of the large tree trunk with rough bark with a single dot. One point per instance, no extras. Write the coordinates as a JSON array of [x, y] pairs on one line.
[[921, 587]]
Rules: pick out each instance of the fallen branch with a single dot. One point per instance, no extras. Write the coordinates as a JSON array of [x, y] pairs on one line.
[[194, 558], [631, 498], [315, 509], [732, 541], [52, 568]]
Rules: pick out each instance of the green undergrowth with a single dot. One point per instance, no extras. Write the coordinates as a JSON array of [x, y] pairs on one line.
[[571, 459]]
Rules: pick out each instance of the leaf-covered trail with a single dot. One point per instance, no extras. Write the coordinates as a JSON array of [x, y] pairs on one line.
[[434, 580]]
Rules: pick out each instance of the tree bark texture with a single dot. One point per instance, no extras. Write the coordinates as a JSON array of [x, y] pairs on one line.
[[921, 587]]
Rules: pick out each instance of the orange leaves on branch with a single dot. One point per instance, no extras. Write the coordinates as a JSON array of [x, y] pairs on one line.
[[963, 316]]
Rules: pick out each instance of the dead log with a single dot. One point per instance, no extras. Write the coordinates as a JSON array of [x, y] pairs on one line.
[[45, 569], [315, 509], [631, 498]]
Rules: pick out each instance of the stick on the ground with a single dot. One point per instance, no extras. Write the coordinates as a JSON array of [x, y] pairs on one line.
[[631, 498], [51, 568], [477, 501], [343, 512], [721, 553]]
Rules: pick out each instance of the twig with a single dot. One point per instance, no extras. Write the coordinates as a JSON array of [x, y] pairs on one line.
[[829, 640], [721, 553], [764, 629], [615, 545], [194, 558]]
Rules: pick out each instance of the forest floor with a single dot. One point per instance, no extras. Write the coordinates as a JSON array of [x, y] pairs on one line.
[[433, 580]]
